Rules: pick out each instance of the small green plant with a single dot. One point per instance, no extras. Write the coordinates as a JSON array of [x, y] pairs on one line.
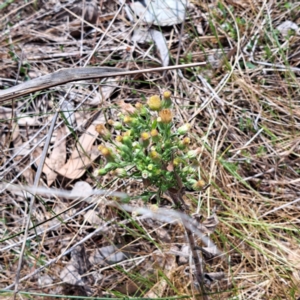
[[146, 145]]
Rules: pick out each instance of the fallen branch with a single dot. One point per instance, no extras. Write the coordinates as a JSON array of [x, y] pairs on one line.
[[63, 76]]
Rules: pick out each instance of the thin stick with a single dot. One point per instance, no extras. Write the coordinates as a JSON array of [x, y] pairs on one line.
[[32, 198], [177, 197]]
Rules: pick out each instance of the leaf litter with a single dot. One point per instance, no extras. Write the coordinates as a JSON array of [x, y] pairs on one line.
[[246, 122]]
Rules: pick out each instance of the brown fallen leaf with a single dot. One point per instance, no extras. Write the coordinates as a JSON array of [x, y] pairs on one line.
[[57, 157], [126, 108], [83, 154]]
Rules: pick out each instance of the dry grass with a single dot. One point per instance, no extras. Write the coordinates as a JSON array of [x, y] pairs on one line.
[[245, 110]]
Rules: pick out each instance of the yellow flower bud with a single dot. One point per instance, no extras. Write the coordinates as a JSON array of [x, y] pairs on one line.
[[100, 147], [154, 102], [186, 141], [150, 167], [176, 161], [167, 95], [198, 186], [127, 119], [145, 136], [138, 105], [119, 138], [105, 152], [154, 132], [154, 154], [127, 133], [103, 131]]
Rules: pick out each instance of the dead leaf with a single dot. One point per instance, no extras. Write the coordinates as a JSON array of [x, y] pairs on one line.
[[45, 280], [83, 154], [57, 156], [170, 167], [141, 35], [108, 254], [81, 188], [26, 120], [163, 234], [286, 26], [92, 217], [157, 12], [184, 254], [78, 265], [126, 108], [161, 45], [70, 275]]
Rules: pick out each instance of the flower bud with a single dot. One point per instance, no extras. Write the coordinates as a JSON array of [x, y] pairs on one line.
[[120, 172], [119, 138], [141, 109], [127, 133], [198, 185], [107, 153], [111, 122], [103, 131], [154, 155], [145, 137], [166, 116], [186, 141], [150, 167], [154, 103], [167, 95], [138, 154], [127, 119], [136, 145], [193, 153], [154, 133], [184, 129], [145, 174], [177, 161], [188, 170], [181, 146], [100, 147], [138, 105], [117, 125], [167, 99]]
